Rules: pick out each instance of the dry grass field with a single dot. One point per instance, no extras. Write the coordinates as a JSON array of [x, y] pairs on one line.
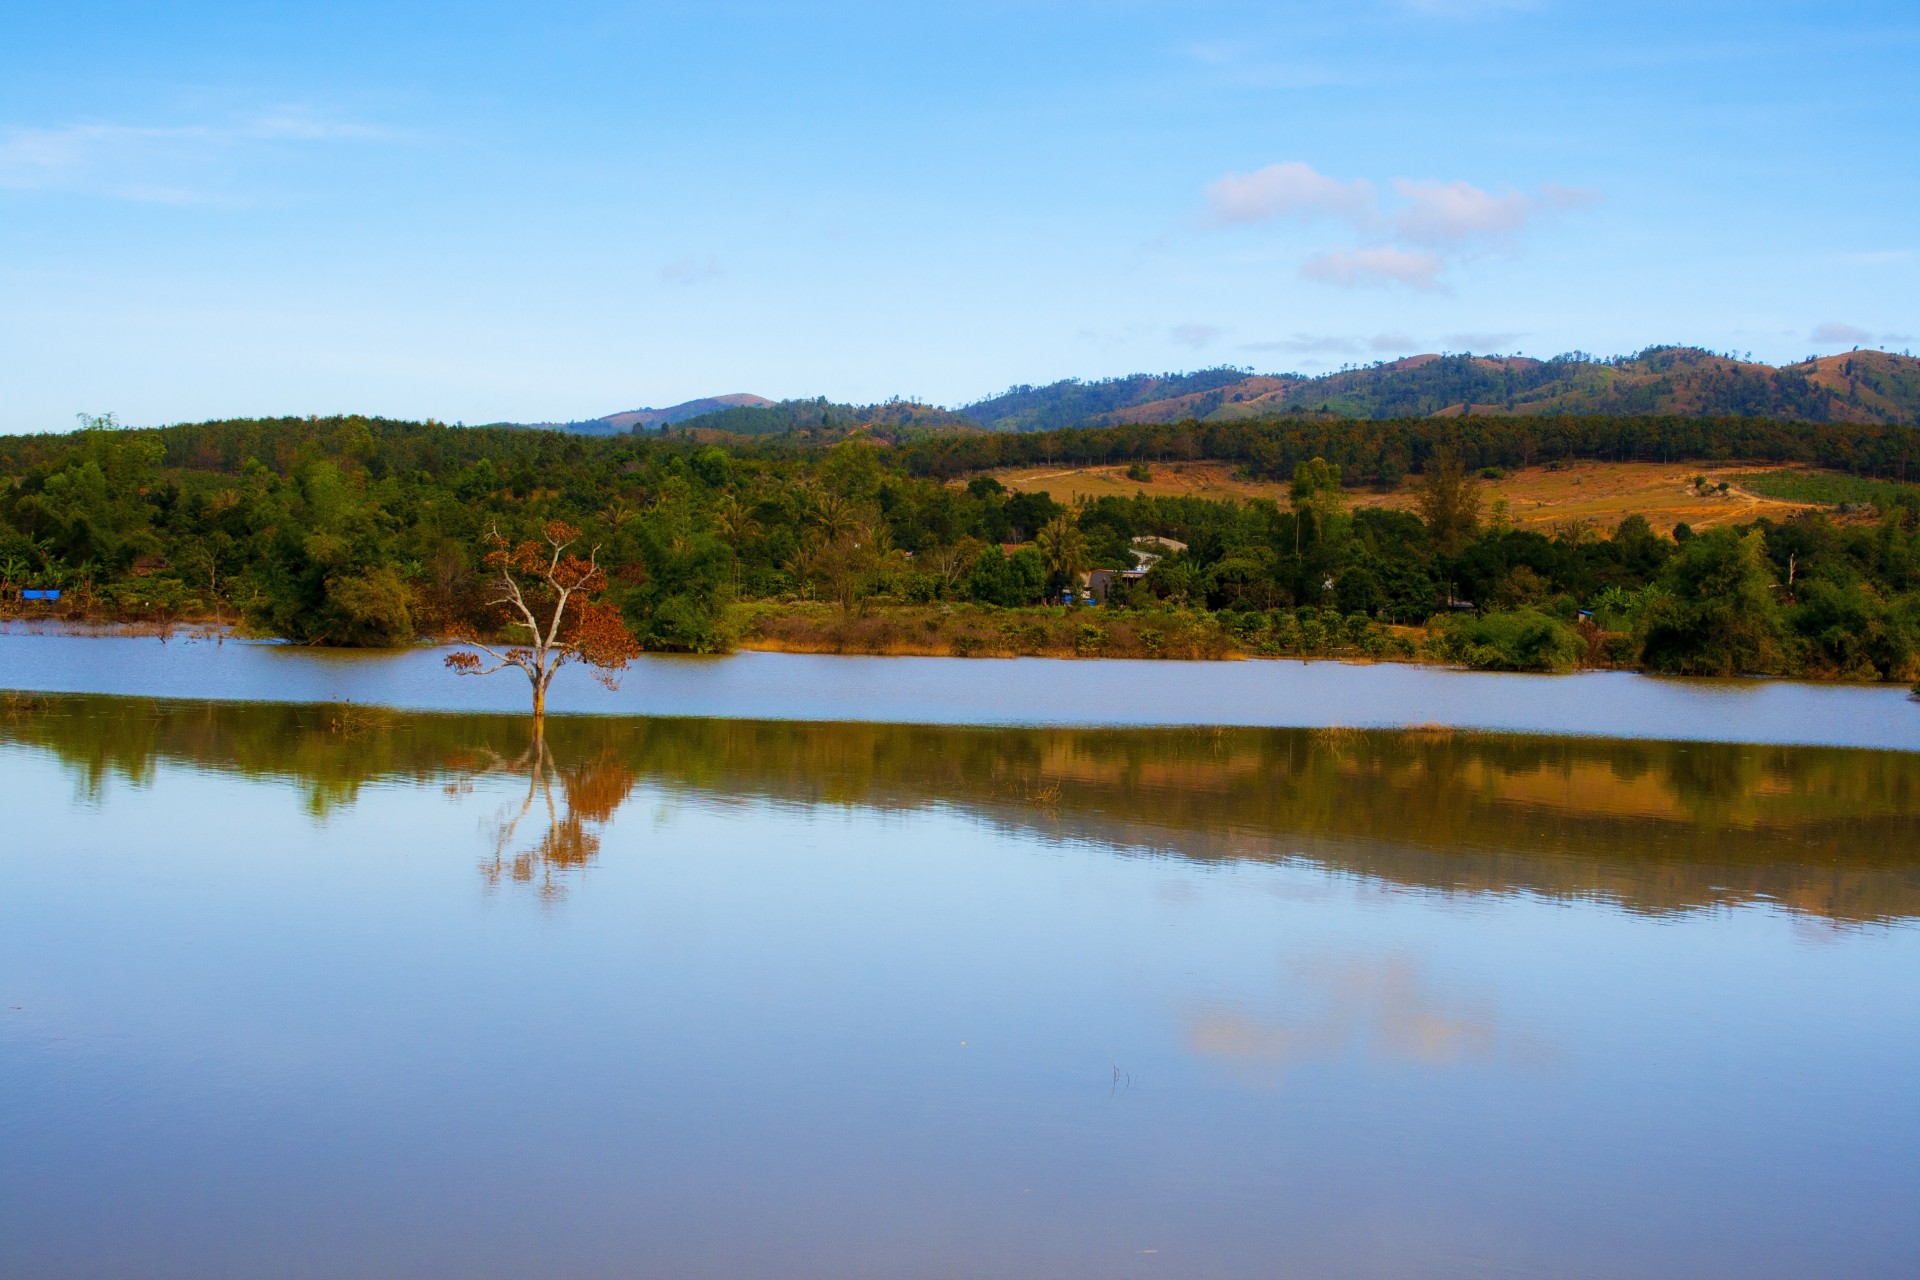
[[1599, 493]]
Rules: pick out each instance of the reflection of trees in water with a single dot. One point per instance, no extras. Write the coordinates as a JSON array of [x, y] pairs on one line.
[[1652, 825], [563, 836]]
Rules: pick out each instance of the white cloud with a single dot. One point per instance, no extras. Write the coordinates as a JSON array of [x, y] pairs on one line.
[[1194, 335], [1409, 239], [1382, 264], [1835, 334], [1450, 213], [1555, 196], [1485, 342], [1454, 213], [1334, 344], [1254, 65], [1288, 190], [146, 162], [1310, 344]]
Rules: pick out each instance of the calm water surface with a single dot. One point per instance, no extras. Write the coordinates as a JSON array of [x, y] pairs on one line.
[[1024, 691], [320, 991]]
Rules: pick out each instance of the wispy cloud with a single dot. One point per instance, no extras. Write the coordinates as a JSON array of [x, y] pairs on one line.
[[1465, 8], [1453, 213], [1835, 334], [1408, 239], [1308, 344], [153, 163], [1252, 64], [1195, 335], [1333, 344], [687, 271], [1480, 341], [1386, 1009], [1289, 190], [1383, 264]]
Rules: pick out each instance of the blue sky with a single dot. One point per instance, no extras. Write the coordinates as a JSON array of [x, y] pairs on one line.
[[508, 211]]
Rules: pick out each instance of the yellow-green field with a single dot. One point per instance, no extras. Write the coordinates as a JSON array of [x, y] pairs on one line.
[[1600, 493]]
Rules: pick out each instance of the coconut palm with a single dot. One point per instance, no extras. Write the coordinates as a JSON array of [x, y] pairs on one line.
[[1064, 549], [835, 517], [733, 523]]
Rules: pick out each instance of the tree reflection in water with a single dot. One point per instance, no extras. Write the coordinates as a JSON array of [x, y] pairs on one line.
[[1830, 834], [569, 840]]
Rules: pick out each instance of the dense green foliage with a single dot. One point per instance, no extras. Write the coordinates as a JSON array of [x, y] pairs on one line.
[[1822, 487], [898, 417], [1867, 386], [366, 532], [1862, 386], [1072, 403], [1386, 451]]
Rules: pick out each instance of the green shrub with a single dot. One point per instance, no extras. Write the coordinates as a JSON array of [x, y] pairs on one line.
[[1523, 640], [367, 610]]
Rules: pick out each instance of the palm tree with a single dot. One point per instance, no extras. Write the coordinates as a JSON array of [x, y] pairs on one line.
[[1064, 549], [835, 517], [734, 523]]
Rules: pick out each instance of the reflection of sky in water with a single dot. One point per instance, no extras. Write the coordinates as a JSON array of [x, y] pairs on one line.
[[777, 686], [718, 1032], [1335, 1007]]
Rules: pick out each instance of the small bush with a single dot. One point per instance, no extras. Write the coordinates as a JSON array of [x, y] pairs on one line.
[[1523, 640]]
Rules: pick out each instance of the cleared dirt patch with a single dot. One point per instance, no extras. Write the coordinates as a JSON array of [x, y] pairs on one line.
[[1169, 479], [1600, 493], [1605, 493]]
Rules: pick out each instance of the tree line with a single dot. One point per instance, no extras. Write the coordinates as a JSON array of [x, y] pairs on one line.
[[357, 531]]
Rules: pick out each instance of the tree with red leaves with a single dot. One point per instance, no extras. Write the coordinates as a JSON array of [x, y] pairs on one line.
[[542, 578]]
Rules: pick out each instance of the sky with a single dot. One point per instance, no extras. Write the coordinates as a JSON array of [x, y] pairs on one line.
[[506, 211]]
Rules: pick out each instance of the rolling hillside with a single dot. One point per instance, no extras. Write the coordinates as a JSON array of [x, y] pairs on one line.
[[629, 419], [892, 418], [1876, 387], [1861, 386]]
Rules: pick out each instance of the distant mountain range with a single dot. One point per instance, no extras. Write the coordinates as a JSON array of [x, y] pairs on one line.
[[1859, 386], [619, 424]]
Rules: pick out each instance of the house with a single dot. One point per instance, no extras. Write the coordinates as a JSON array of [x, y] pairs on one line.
[[1148, 549], [1099, 583]]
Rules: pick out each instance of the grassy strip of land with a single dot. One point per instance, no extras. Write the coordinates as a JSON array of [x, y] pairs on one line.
[[1826, 488]]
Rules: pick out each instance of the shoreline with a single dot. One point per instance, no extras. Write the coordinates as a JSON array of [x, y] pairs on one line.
[[830, 646], [1011, 692]]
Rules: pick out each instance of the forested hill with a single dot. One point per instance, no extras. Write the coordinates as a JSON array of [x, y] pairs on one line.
[[1861, 386], [892, 418], [359, 531], [1073, 403]]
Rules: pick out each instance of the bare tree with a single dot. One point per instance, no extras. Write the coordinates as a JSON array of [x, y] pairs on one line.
[[545, 592]]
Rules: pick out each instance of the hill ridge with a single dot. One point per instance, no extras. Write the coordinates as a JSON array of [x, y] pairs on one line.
[[1860, 386]]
